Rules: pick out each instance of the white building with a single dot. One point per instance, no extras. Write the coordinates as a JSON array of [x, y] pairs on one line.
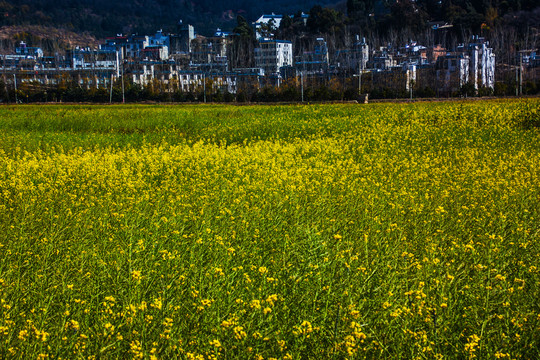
[[355, 59], [410, 74], [454, 70], [135, 45], [272, 55], [181, 43], [482, 63], [361, 52], [155, 52], [91, 59], [474, 64]]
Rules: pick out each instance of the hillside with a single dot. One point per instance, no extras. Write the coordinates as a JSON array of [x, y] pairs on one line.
[[48, 38], [105, 17], [55, 24]]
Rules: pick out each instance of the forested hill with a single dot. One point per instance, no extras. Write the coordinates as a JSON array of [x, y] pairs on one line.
[[105, 17], [518, 20]]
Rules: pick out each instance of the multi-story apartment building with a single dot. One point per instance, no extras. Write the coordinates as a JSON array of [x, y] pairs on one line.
[[91, 59], [315, 61], [136, 45], [28, 51], [482, 63], [181, 42], [209, 53], [473, 63], [272, 55], [354, 58]]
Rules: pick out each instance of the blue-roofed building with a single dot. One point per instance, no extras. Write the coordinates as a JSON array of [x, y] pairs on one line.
[[221, 33], [159, 39], [32, 52]]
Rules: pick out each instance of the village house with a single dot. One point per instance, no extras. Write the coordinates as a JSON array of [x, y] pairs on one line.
[[273, 55], [209, 54], [181, 43], [473, 63]]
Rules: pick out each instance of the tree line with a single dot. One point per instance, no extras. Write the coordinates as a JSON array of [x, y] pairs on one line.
[[293, 89]]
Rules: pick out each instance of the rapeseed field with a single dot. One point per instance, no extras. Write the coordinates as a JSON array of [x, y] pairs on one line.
[[393, 231]]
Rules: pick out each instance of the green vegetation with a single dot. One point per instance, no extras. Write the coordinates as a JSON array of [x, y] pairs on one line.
[[292, 232]]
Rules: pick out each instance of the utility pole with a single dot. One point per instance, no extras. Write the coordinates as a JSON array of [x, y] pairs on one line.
[[110, 98], [302, 84], [123, 93], [410, 82], [15, 85], [359, 76], [517, 81], [204, 86], [4, 76], [521, 74]]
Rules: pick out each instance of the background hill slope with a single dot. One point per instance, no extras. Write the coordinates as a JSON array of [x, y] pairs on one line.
[[105, 17]]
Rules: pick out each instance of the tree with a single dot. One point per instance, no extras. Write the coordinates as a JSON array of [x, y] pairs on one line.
[[359, 9], [242, 28], [323, 20], [268, 29], [405, 14], [243, 44], [286, 28]]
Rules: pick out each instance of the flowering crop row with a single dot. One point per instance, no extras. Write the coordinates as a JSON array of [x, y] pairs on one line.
[[294, 232]]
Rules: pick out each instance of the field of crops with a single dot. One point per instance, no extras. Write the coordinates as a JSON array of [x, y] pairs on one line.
[[395, 231]]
